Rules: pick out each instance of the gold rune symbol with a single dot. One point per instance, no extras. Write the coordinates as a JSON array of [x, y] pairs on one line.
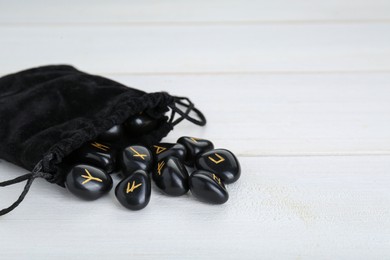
[[160, 165], [133, 186], [137, 154], [100, 146], [221, 159], [217, 179], [195, 140], [89, 177], [159, 149]]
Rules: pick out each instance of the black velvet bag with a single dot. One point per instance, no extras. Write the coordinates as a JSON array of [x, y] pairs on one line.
[[48, 112]]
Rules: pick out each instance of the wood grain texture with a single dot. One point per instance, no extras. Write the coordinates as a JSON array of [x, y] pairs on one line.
[[291, 207], [274, 115], [199, 49], [299, 90], [202, 11]]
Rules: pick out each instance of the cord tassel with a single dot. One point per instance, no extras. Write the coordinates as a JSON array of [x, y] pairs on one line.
[[36, 172], [30, 177]]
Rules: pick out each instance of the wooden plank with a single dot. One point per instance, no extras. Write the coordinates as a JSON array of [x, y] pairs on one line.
[[197, 49], [279, 115], [202, 11], [324, 114], [292, 207]]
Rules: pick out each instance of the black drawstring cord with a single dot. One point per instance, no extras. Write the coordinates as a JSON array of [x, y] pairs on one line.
[[30, 177], [36, 172], [186, 115]]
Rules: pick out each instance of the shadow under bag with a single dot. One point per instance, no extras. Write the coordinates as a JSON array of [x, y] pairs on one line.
[[48, 112]]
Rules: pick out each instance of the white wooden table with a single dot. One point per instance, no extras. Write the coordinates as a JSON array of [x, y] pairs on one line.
[[299, 90]]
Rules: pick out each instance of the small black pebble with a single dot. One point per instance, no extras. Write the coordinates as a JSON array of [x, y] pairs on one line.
[[140, 124], [221, 162], [171, 177], [136, 157], [101, 155], [134, 191], [88, 182], [113, 134], [164, 150], [194, 147], [208, 187]]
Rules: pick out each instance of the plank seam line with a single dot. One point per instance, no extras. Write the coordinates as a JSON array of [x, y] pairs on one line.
[[226, 73], [217, 73], [197, 23]]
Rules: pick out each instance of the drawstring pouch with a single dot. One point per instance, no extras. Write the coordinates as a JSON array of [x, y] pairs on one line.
[[48, 112]]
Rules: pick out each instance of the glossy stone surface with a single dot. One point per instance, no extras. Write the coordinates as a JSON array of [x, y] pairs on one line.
[[164, 150], [88, 182], [221, 162], [113, 134], [134, 191], [208, 187], [171, 177], [136, 157], [194, 147], [140, 124], [101, 155]]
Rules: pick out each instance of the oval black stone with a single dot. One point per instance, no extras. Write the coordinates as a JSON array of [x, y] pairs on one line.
[[194, 147], [164, 150], [88, 182], [221, 162], [134, 191], [208, 187], [136, 157], [171, 177], [140, 124], [98, 154], [113, 134]]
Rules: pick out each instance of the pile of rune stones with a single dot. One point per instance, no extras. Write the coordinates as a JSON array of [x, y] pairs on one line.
[[167, 164]]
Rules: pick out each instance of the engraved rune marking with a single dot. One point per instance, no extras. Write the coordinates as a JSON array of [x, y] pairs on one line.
[[133, 186], [159, 149], [217, 179], [100, 146], [195, 140], [89, 177], [137, 154], [160, 165], [221, 159]]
